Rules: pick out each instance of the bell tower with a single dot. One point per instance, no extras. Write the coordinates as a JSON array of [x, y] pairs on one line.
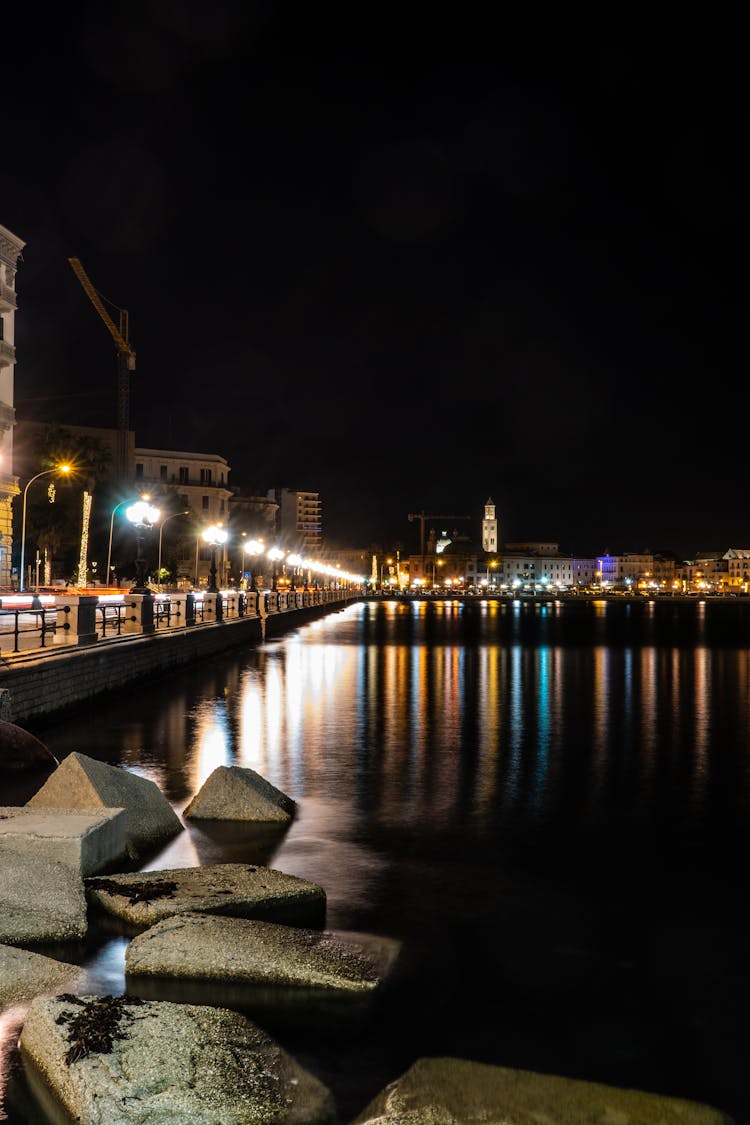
[[490, 535]]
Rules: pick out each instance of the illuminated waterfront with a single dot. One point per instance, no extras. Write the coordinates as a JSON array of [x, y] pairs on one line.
[[547, 803]]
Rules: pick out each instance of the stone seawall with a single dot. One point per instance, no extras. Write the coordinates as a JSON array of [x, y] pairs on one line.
[[54, 681]]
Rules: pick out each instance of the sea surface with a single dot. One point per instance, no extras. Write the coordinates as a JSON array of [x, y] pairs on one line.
[[546, 803]]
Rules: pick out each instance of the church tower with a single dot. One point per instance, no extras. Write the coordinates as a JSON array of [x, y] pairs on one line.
[[490, 536]]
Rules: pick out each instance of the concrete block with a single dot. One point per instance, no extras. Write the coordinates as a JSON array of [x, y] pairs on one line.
[[87, 841], [80, 782], [234, 793]]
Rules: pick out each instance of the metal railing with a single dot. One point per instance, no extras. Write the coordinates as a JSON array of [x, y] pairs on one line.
[[27, 627], [33, 622]]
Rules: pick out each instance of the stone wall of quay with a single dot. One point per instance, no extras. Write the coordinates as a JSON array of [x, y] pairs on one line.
[[58, 680]]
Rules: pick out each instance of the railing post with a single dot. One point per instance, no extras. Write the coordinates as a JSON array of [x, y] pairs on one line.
[[190, 609], [76, 621], [142, 619]]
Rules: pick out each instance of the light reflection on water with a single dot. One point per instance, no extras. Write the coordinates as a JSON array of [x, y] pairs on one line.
[[537, 797]]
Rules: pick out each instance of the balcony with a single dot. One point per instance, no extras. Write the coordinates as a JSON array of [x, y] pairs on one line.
[[7, 417], [7, 354], [7, 299]]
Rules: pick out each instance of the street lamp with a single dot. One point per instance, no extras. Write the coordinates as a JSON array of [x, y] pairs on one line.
[[44, 473], [143, 517], [388, 563], [144, 496], [251, 547], [274, 554], [215, 537], [184, 512]]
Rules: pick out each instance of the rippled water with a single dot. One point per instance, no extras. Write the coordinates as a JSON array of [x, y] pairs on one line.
[[547, 803]]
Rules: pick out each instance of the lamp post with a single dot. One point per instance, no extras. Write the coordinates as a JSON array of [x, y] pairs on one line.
[[44, 473], [144, 496], [184, 512], [388, 563], [143, 517], [274, 554], [214, 536], [254, 547]]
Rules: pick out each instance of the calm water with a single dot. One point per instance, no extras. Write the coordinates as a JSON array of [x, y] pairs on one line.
[[547, 803]]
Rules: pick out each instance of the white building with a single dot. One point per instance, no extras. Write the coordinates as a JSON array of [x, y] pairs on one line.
[[10, 252], [201, 484], [490, 532]]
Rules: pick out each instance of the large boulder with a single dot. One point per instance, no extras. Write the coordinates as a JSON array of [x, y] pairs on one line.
[[80, 782], [237, 793], [327, 983], [457, 1092], [242, 890], [209, 947], [115, 1060], [19, 749]]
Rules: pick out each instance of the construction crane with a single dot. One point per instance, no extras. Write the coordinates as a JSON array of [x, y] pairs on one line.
[[125, 363], [422, 518]]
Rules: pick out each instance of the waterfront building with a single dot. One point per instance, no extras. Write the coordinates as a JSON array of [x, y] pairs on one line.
[[299, 520], [10, 253], [200, 482]]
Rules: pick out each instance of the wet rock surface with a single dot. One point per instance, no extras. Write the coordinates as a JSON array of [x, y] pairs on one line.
[[237, 889], [207, 947], [41, 900], [236, 793], [447, 1091], [115, 1061], [24, 975]]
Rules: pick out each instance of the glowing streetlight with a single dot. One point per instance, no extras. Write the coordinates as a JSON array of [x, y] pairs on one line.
[[143, 517], [144, 496], [274, 554], [184, 512], [251, 547], [46, 472], [215, 537]]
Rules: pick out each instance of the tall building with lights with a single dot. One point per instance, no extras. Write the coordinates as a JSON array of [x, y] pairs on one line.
[[490, 534], [10, 252], [300, 521]]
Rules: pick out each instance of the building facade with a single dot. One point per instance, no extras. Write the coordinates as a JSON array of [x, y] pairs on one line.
[[300, 519], [10, 252]]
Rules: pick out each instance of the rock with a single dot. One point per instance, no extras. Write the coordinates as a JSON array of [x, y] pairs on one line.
[[458, 1092], [87, 841], [165, 1063], [238, 889], [285, 977], [80, 782], [41, 900], [235, 793], [24, 975], [19, 749]]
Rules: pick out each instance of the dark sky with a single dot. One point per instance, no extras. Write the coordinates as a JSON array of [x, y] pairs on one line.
[[408, 283]]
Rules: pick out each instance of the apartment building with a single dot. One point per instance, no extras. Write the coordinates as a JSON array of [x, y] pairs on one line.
[[10, 252]]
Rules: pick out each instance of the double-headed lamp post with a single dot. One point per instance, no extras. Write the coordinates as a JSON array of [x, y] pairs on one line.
[[144, 496], [184, 512], [45, 473], [143, 517], [215, 537]]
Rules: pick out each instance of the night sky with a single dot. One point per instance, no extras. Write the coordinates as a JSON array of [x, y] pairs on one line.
[[407, 283]]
